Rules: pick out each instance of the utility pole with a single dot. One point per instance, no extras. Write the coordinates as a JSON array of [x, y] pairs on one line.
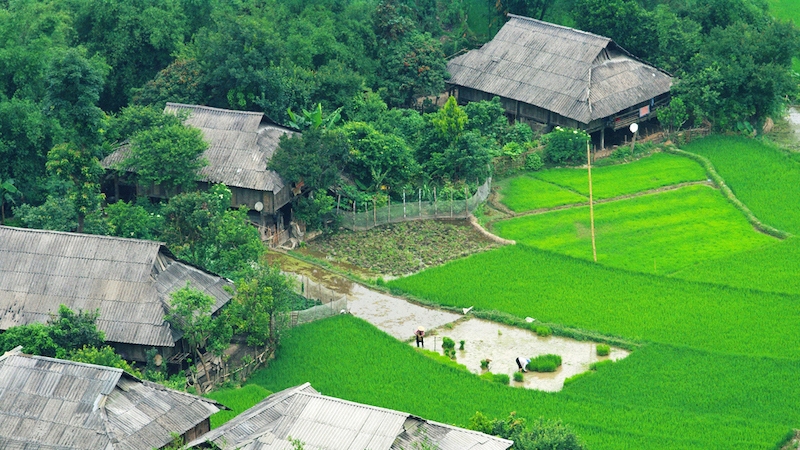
[[634, 129], [591, 200]]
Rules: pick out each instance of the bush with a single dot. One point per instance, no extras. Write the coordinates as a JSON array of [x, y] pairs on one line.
[[603, 349], [543, 331], [533, 162], [518, 376], [565, 146], [544, 363]]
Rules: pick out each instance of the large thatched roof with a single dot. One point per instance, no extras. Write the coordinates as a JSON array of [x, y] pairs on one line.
[[128, 280], [239, 146], [573, 73], [323, 422], [51, 404]]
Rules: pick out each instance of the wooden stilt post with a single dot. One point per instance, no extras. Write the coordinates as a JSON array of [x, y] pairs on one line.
[[591, 200]]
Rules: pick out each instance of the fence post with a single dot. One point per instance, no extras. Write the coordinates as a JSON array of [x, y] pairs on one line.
[[366, 213], [374, 211], [389, 209], [435, 205], [451, 204], [466, 203], [420, 203], [404, 203], [354, 214]]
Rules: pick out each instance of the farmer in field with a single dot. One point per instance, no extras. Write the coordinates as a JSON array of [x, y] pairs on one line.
[[420, 336], [522, 363]]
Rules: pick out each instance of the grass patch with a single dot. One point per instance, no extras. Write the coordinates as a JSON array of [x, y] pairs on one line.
[[763, 177], [403, 248], [659, 397], [658, 233], [655, 171], [785, 10], [558, 289], [525, 193], [237, 399], [772, 268], [545, 363]]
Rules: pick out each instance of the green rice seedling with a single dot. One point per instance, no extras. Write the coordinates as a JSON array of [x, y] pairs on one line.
[[501, 378], [543, 331], [603, 349], [544, 363], [655, 171], [518, 376], [659, 233], [443, 359], [598, 364], [485, 364], [461, 344]]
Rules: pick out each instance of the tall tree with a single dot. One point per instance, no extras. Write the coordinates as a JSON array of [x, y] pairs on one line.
[[261, 299], [80, 171]]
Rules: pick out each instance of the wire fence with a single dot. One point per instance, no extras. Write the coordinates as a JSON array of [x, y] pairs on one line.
[[333, 302], [414, 209]]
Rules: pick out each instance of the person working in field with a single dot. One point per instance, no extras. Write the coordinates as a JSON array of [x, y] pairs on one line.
[[522, 363], [420, 336]]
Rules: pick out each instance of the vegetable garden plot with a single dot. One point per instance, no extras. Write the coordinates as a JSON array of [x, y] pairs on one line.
[[658, 233]]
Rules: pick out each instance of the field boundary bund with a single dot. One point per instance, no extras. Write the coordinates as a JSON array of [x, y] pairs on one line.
[[728, 193]]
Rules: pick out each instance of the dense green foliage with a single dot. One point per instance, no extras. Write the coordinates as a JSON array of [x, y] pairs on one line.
[[658, 397], [652, 233], [566, 146]]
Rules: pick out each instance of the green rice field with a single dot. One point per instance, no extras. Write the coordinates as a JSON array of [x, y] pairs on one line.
[[761, 176], [659, 397], [525, 193], [652, 172], [237, 399], [658, 233]]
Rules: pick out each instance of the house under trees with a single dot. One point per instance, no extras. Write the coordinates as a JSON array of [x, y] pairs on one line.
[[551, 75], [48, 403], [240, 144], [129, 281]]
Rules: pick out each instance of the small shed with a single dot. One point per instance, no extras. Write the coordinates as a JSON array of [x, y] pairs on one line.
[[128, 280], [48, 403], [240, 144], [554, 75], [323, 422]]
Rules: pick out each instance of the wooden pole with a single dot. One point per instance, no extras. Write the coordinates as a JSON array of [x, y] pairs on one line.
[[591, 201], [435, 206], [633, 141], [404, 203], [374, 211], [419, 193]]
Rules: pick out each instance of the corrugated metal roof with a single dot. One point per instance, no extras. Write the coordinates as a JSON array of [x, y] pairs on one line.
[[40, 270], [239, 146], [573, 73], [48, 403], [329, 423]]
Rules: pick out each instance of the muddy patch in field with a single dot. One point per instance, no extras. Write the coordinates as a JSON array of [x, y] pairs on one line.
[[502, 344]]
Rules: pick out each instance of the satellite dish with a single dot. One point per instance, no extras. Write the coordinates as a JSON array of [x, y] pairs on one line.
[[259, 206], [634, 127]]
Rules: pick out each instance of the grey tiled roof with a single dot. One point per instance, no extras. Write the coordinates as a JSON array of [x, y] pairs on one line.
[[128, 280], [48, 403], [329, 423], [576, 74]]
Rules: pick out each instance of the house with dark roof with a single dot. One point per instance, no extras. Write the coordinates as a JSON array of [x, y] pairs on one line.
[[53, 404], [240, 144], [322, 422], [128, 280], [554, 75]]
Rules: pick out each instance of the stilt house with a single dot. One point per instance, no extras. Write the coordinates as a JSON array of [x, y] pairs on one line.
[[554, 75], [240, 144], [128, 280]]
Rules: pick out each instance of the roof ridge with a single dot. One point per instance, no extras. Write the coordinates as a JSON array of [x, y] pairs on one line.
[[563, 27], [71, 233], [211, 108]]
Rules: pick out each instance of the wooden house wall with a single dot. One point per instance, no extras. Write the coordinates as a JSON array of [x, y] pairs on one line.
[[197, 431]]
